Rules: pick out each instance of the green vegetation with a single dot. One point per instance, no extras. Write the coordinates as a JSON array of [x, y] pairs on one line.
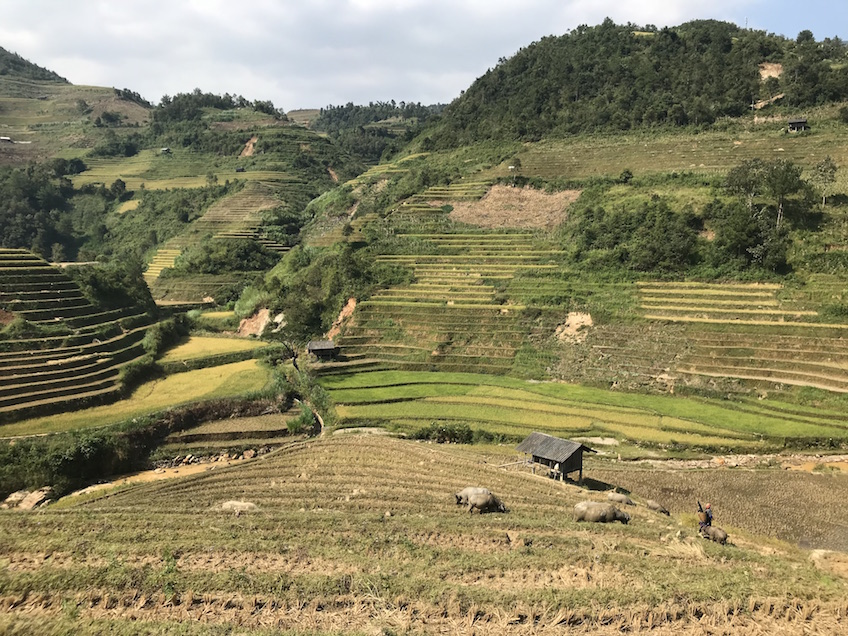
[[513, 408], [375, 131], [12, 64], [230, 380], [611, 77]]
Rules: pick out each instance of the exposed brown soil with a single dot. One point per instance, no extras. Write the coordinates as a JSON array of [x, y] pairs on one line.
[[247, 151], [575, 328], [6, 317], [255, 325], [344, 315], [333, 175], [770, 69], [508, 207]]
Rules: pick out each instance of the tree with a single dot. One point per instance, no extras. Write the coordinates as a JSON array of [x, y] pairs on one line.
[[781, 179], [746, 180], [824, 176]]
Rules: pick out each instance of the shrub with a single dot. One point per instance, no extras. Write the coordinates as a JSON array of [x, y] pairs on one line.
[[164, 334], [303, 422], [443, 433]]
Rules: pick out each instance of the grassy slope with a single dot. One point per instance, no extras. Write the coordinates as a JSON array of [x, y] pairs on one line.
[[203, 384], [383, 547], [506, 406], [203, 346]]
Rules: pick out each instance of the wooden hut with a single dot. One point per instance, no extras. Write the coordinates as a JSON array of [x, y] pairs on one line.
[[561, 456], [797, 125], [322, 349]]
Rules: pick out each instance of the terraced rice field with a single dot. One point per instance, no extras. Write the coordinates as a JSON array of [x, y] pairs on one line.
[[82, 361], [237, 216], [408, 401], [360, 534], [204, 346], [754, 333], [228, 380], [178, 169], [712, 153], [234, 433], [453, 317]]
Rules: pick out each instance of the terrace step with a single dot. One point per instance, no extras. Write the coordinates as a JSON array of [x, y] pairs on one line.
[[767, 375]]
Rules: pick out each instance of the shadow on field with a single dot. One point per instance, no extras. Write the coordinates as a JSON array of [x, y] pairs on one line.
[[596, 484]]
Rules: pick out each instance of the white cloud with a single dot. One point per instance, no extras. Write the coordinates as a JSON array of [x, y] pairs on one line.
[[302, 53]]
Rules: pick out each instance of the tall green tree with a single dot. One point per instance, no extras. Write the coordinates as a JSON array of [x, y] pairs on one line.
[[781, 179], [824, 176]]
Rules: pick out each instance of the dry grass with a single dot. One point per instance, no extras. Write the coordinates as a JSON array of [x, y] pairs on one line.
[[507, 207], [764, 501], [359, 534]]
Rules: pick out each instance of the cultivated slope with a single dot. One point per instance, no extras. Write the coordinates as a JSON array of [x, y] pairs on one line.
[[357, 534], [71, 352]]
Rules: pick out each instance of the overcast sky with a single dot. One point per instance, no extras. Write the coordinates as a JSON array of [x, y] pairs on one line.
[[311, 53]]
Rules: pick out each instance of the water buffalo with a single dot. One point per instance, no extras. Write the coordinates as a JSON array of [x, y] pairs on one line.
[[462, 495], [653, 505], [617, 497], [716, 534], [485, 502], [599, 512]]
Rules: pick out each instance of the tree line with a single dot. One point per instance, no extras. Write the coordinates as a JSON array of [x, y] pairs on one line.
[[744, 230]]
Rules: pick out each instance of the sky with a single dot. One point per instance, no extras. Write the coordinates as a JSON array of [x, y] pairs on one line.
[[314, 53]]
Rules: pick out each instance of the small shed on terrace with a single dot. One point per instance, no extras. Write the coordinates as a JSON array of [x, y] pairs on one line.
[[322, 349], [561, 456]]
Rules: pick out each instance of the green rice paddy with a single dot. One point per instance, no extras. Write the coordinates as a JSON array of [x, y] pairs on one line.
[[508, 406]]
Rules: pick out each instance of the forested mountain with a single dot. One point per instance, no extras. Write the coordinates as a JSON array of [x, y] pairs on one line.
[[13, 65], [369, 131], [619, 77]]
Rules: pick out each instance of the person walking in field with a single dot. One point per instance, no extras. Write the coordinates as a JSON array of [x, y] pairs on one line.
[[705, 516]]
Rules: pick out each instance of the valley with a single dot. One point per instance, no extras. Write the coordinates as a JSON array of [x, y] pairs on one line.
[[645, 266]]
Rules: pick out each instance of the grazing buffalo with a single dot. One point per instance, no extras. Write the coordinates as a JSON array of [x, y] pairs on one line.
[[462, 495], [617, 497], [599, 512], [716, 534], [485, 502], [653, 505]]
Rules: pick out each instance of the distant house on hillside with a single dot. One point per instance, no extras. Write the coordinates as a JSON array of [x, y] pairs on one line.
[[797, 125], [560, 456], [6, 140]]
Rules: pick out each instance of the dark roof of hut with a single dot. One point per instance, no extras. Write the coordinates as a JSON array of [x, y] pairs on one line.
[[320, 345], [550, 447]]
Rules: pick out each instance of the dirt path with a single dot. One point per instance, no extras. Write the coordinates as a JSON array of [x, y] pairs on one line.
[[805, 463], [155, 475]]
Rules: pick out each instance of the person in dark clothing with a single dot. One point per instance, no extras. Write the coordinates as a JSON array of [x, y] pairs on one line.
[[705, 516]]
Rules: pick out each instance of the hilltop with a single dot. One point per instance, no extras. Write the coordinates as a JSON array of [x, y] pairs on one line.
[[13, 66], [620, 77]]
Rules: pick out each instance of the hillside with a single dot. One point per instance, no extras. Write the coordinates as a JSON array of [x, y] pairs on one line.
[[360, 533], [619, 77], [14, 67], [600, 239]]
